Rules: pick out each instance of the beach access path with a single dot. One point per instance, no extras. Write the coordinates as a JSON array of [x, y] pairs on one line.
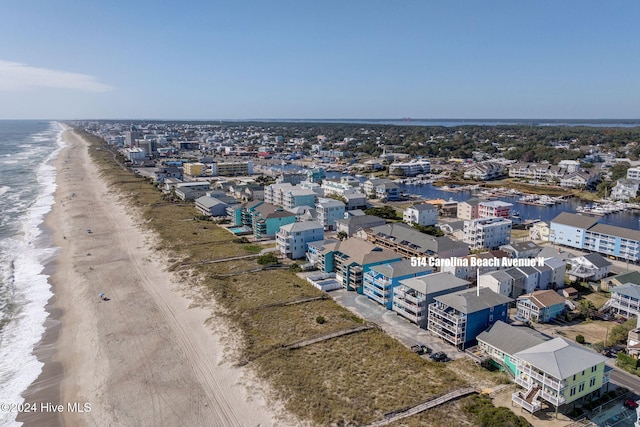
[[145, 357]]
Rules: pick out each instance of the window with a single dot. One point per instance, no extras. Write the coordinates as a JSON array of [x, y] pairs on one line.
[[574, 377], [581, 388], [594, 368], [592, 382], [572, 392]]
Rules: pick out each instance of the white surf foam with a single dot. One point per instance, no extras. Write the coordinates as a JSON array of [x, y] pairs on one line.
[[18, 365]]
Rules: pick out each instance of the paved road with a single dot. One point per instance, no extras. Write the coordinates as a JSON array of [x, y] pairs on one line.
[[624, 379], [406, 332]]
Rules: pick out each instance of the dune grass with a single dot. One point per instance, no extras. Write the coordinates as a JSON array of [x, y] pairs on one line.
[[349, 380]]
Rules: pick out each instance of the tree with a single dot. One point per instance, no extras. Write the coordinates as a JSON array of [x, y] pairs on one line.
[[341, 235], [619, 170], [580, 339], [386, 212], [586, 307], [429, 229], [604, 188]]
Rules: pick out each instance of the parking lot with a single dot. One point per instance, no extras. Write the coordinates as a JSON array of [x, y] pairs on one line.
[[404, 331], [616, 416]]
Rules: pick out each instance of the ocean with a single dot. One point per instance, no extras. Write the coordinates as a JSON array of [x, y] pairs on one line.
[[27, 184]]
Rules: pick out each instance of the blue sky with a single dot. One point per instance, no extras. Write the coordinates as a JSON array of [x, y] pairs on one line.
[[319, 59]]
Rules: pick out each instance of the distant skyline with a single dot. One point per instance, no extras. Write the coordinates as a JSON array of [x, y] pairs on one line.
[[210, 60]]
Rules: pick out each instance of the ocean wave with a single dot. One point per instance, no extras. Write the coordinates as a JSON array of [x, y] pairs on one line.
[[26, 289]]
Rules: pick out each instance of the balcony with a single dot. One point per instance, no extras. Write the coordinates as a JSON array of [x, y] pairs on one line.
[[442, 314], [411, 297], [415, 318], [532, 407], [408, 305], [379, 299], [540, 378]]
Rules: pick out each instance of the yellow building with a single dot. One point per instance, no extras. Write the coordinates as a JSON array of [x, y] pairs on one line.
[[194, 169]]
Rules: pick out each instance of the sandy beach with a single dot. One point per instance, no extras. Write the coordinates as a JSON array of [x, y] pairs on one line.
[[142, 358]]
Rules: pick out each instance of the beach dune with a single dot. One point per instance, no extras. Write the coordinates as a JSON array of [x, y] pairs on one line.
[[143, 357]]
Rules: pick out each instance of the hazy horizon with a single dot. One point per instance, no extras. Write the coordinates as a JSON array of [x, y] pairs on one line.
[[328, 60]]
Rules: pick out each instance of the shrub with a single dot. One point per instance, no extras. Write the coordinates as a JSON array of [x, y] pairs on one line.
[[485, 414], [295, 268], [320, 320], [268, 259], [580, 339]]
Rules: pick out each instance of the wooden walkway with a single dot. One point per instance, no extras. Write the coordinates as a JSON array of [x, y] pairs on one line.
[[395, 416], [305, 343]]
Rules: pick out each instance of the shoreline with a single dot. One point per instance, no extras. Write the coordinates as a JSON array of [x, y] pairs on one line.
[[147, 344]]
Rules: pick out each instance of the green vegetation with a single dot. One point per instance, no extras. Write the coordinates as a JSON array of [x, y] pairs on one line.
[[580, 339], [627, 362], [350, 380], [386, 212], [254, 249], [619, 333], [320, 320], [429, 229], [586, 308], [268, 259], [487, 415]]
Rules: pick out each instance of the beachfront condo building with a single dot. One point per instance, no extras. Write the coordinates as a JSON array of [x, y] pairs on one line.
[[380, 280], [459, 317], [292, 239], [350, 259], [411, 298]]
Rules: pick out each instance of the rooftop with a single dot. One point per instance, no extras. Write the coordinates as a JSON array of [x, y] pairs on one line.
[[398, 269], [575, 220], [545, 298], [302, 226], [473, 300], [434, 283], [511, 339], [612, 230], [561, 357]]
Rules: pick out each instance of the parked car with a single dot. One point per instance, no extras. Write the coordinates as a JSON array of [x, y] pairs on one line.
[[631, 404], [439, 356], [420, 349]]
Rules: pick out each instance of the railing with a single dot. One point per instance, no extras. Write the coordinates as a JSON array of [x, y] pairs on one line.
[[531, 407], [407, 304], [409, 297], [373, 296], [439, 313], [556, 385]]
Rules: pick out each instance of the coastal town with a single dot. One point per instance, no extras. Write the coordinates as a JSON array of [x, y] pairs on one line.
[[349, 211]]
